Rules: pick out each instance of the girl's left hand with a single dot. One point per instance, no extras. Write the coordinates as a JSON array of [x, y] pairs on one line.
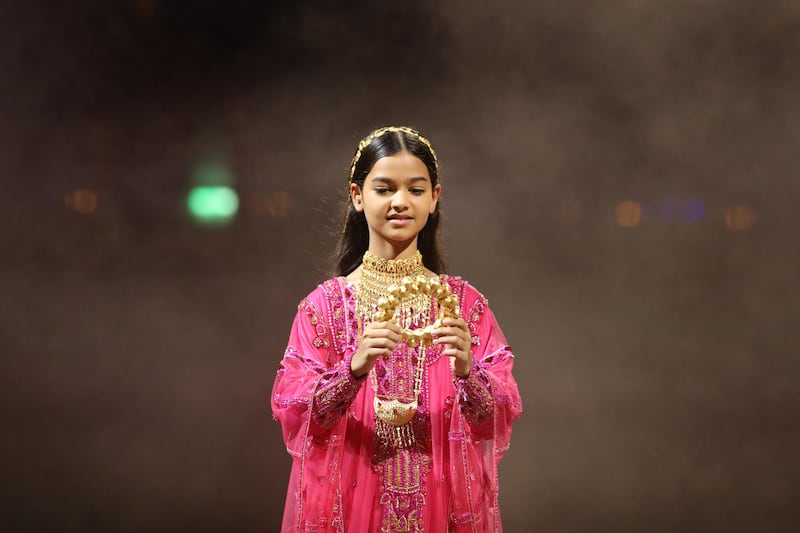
[[457, 340]]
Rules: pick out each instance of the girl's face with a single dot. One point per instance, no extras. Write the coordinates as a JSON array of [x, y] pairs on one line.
[[397, 197]]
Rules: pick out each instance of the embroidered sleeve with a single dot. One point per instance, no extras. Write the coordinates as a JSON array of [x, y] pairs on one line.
[[321, 338], [474, 395], [314, 383], [488, 398], [335, 391]]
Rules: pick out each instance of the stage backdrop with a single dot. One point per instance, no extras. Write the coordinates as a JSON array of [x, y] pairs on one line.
[[620, 179]]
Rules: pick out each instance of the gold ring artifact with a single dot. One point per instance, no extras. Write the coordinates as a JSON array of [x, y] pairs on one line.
[[408, 287]]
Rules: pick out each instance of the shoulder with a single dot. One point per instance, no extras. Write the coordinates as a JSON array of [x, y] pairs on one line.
[[474, 306], [468, 294], [327, 297], [328, 289]]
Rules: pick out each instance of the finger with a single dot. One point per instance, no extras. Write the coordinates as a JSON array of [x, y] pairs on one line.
[[450, 332], [376, 353], [392, 327], [454, 329], [456, 354], [455, 322], [378, 332], [385, 329], [389, 334], [385, 325], [454, 346], [380, 343], [447, 339]]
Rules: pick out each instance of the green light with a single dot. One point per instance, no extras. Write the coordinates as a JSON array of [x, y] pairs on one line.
[[213, 205], [212, 172]]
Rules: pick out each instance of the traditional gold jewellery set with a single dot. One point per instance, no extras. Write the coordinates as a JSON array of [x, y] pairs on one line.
[[397, 290]]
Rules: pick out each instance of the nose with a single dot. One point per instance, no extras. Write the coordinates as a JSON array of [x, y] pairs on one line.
[[400, 201]]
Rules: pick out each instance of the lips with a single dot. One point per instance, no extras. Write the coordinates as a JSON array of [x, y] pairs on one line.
[[400, 221]]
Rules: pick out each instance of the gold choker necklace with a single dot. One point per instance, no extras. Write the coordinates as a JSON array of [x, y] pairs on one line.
[[377, 275]]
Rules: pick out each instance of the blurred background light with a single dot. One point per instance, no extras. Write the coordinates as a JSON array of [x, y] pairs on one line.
[[275, 204], [670, 210], [213, 205], [693, 211], [212, 172], [740, 217], [629, 214], [280, 205], [146, 8], [83, 201]]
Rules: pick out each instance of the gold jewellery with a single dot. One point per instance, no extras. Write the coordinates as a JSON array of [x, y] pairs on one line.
[[377, 133], [409, 288], [397, 290]]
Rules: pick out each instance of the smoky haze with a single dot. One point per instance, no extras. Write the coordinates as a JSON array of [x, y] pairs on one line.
[[657, 355]]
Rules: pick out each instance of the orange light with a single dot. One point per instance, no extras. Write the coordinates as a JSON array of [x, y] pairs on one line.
[[740, 217], [146, 7], [629, 214], [280, 205], [257, 203], [263, 204], [83, 201]]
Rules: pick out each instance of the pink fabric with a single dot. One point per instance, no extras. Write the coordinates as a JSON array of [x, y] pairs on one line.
[[336, 483]]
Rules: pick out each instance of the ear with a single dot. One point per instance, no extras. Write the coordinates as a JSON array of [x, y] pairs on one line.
[[436, 192], [356, 197]]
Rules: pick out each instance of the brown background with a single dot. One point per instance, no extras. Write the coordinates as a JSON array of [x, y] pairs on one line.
[[658, 364]]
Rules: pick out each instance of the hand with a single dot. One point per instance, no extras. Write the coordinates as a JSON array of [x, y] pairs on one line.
[[455, 335], [377, 340]]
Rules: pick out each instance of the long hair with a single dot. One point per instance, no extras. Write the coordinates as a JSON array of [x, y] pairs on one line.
[[354, 240]]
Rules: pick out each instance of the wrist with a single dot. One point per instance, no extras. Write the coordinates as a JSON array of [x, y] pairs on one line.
[[356, 373], [461, 368]]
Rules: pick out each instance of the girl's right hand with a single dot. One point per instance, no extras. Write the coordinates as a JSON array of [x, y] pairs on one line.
[[377, 340]]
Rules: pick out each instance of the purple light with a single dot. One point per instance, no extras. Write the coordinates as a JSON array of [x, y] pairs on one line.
[[670, 209], [693, 211]]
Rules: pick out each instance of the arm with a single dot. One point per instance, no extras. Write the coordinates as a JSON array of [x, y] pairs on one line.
[[488, 397], [312, 389]]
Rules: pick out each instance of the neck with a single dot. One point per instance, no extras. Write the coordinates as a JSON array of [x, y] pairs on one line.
[[390, 250]]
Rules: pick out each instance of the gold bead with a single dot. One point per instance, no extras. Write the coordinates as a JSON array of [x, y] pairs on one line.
[[432, 285]]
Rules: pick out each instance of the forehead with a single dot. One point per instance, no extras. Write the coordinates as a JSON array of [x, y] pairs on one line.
[[402, 165]]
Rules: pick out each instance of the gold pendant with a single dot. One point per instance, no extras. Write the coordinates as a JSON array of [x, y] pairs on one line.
[[394, 412], [397, 437]]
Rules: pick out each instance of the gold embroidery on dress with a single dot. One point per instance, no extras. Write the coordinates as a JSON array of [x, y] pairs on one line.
[[398, 290]]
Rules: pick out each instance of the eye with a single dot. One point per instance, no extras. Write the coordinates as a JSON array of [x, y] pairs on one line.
[[381, 190], [417, 191]]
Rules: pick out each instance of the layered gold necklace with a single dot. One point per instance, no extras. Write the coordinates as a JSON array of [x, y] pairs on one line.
[[393, 415]]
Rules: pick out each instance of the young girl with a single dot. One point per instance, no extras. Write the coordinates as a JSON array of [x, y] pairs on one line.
[[388, 431]]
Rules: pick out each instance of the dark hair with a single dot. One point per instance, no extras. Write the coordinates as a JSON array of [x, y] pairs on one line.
[[354, 241]]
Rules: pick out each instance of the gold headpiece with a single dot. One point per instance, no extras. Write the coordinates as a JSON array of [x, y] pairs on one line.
[[380, 131]]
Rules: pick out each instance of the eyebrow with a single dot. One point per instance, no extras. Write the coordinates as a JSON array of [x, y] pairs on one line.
[[407, 180]]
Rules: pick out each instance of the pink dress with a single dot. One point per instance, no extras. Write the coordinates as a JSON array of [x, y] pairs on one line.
[[343, 479]]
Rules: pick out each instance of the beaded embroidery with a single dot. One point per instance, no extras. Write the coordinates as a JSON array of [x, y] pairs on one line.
[[321, 332]]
